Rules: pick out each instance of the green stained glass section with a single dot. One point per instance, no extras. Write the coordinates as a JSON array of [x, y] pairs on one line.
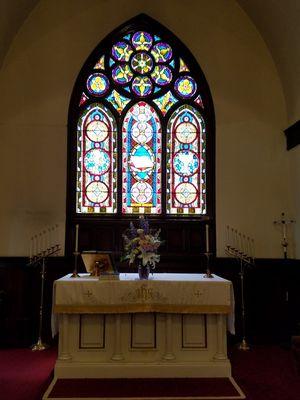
[[165, 102], [118, 101]]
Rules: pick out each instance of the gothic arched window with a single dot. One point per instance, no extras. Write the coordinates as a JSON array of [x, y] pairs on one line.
[[141, 129]]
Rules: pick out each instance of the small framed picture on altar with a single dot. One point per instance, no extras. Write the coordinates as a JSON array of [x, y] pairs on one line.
[[98, 263]]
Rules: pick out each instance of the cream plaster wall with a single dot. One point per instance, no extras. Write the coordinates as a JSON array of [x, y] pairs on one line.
[[37, 79]]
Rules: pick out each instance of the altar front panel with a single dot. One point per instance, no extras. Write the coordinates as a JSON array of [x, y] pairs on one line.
[[144, 344]]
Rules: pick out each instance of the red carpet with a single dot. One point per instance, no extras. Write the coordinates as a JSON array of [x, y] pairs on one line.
[[140, 388], [24, 374], [263, 373]]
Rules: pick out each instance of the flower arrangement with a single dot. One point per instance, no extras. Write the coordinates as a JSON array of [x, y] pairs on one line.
[[141, 244]]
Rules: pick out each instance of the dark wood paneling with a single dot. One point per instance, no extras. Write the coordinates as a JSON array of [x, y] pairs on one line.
[[271, 292]]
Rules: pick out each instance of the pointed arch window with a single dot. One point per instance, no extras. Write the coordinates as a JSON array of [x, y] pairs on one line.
[[141, 129]]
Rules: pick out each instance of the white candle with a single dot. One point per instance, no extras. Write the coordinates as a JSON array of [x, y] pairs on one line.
[[35, 246], [76, 238], [207, 237], [31, 248]]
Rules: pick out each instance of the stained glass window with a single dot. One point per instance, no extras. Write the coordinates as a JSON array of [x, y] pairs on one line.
[[144, 120]]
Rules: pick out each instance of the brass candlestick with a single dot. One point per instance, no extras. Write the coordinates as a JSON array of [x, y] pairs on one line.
[[75, 273], [208, 271]]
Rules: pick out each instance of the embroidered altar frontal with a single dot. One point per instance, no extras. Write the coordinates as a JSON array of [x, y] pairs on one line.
[[165, 293]]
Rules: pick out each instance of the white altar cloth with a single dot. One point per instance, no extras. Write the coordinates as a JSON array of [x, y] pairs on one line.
[[162, 292]]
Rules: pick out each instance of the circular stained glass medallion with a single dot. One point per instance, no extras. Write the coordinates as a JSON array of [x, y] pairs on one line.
[[97, 84], [185, 86], [142, 63], [186, 132], [141, 162], [142, 41], [142, 86], [141, 192], [121, 51], [97, 161], [161, 75], [186, 193], [162, 52], [97, 131], [122, 74], [97, 192], [142, 132], [185, 162]]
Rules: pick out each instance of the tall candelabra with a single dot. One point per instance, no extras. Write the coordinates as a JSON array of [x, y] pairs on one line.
[[241, 247], [40, 249]]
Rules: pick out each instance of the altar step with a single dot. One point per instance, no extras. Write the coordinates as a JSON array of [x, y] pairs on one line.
[[145, 389]]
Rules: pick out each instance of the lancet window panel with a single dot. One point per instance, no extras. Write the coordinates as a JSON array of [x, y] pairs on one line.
[[96, 161], [141, 160], [186, 162]]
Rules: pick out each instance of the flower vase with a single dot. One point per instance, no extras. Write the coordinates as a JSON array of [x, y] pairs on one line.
[[143, 271]]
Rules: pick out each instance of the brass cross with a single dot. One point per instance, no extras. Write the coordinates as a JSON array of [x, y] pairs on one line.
[[88, 293]]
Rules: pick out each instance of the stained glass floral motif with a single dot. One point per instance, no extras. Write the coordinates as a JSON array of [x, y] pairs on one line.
[[97, 84], [118, 101], [148, 64], [185, 87], [162, 52], [142, 86], [96, 161], [142, 41], [141, 160], [121, 51], [162, 75], [165, 102], [142, 63], [186, 162], [122, 74]]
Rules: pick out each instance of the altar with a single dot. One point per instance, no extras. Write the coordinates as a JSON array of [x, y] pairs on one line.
[[172, 325]]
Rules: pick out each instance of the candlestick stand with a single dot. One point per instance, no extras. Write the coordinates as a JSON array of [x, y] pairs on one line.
[[39, 345], [75, 273], [245, 259]]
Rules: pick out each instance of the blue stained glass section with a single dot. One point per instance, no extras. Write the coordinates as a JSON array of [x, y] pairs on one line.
[[156, 37], [111, 62], [172, 63], [127, 37]]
